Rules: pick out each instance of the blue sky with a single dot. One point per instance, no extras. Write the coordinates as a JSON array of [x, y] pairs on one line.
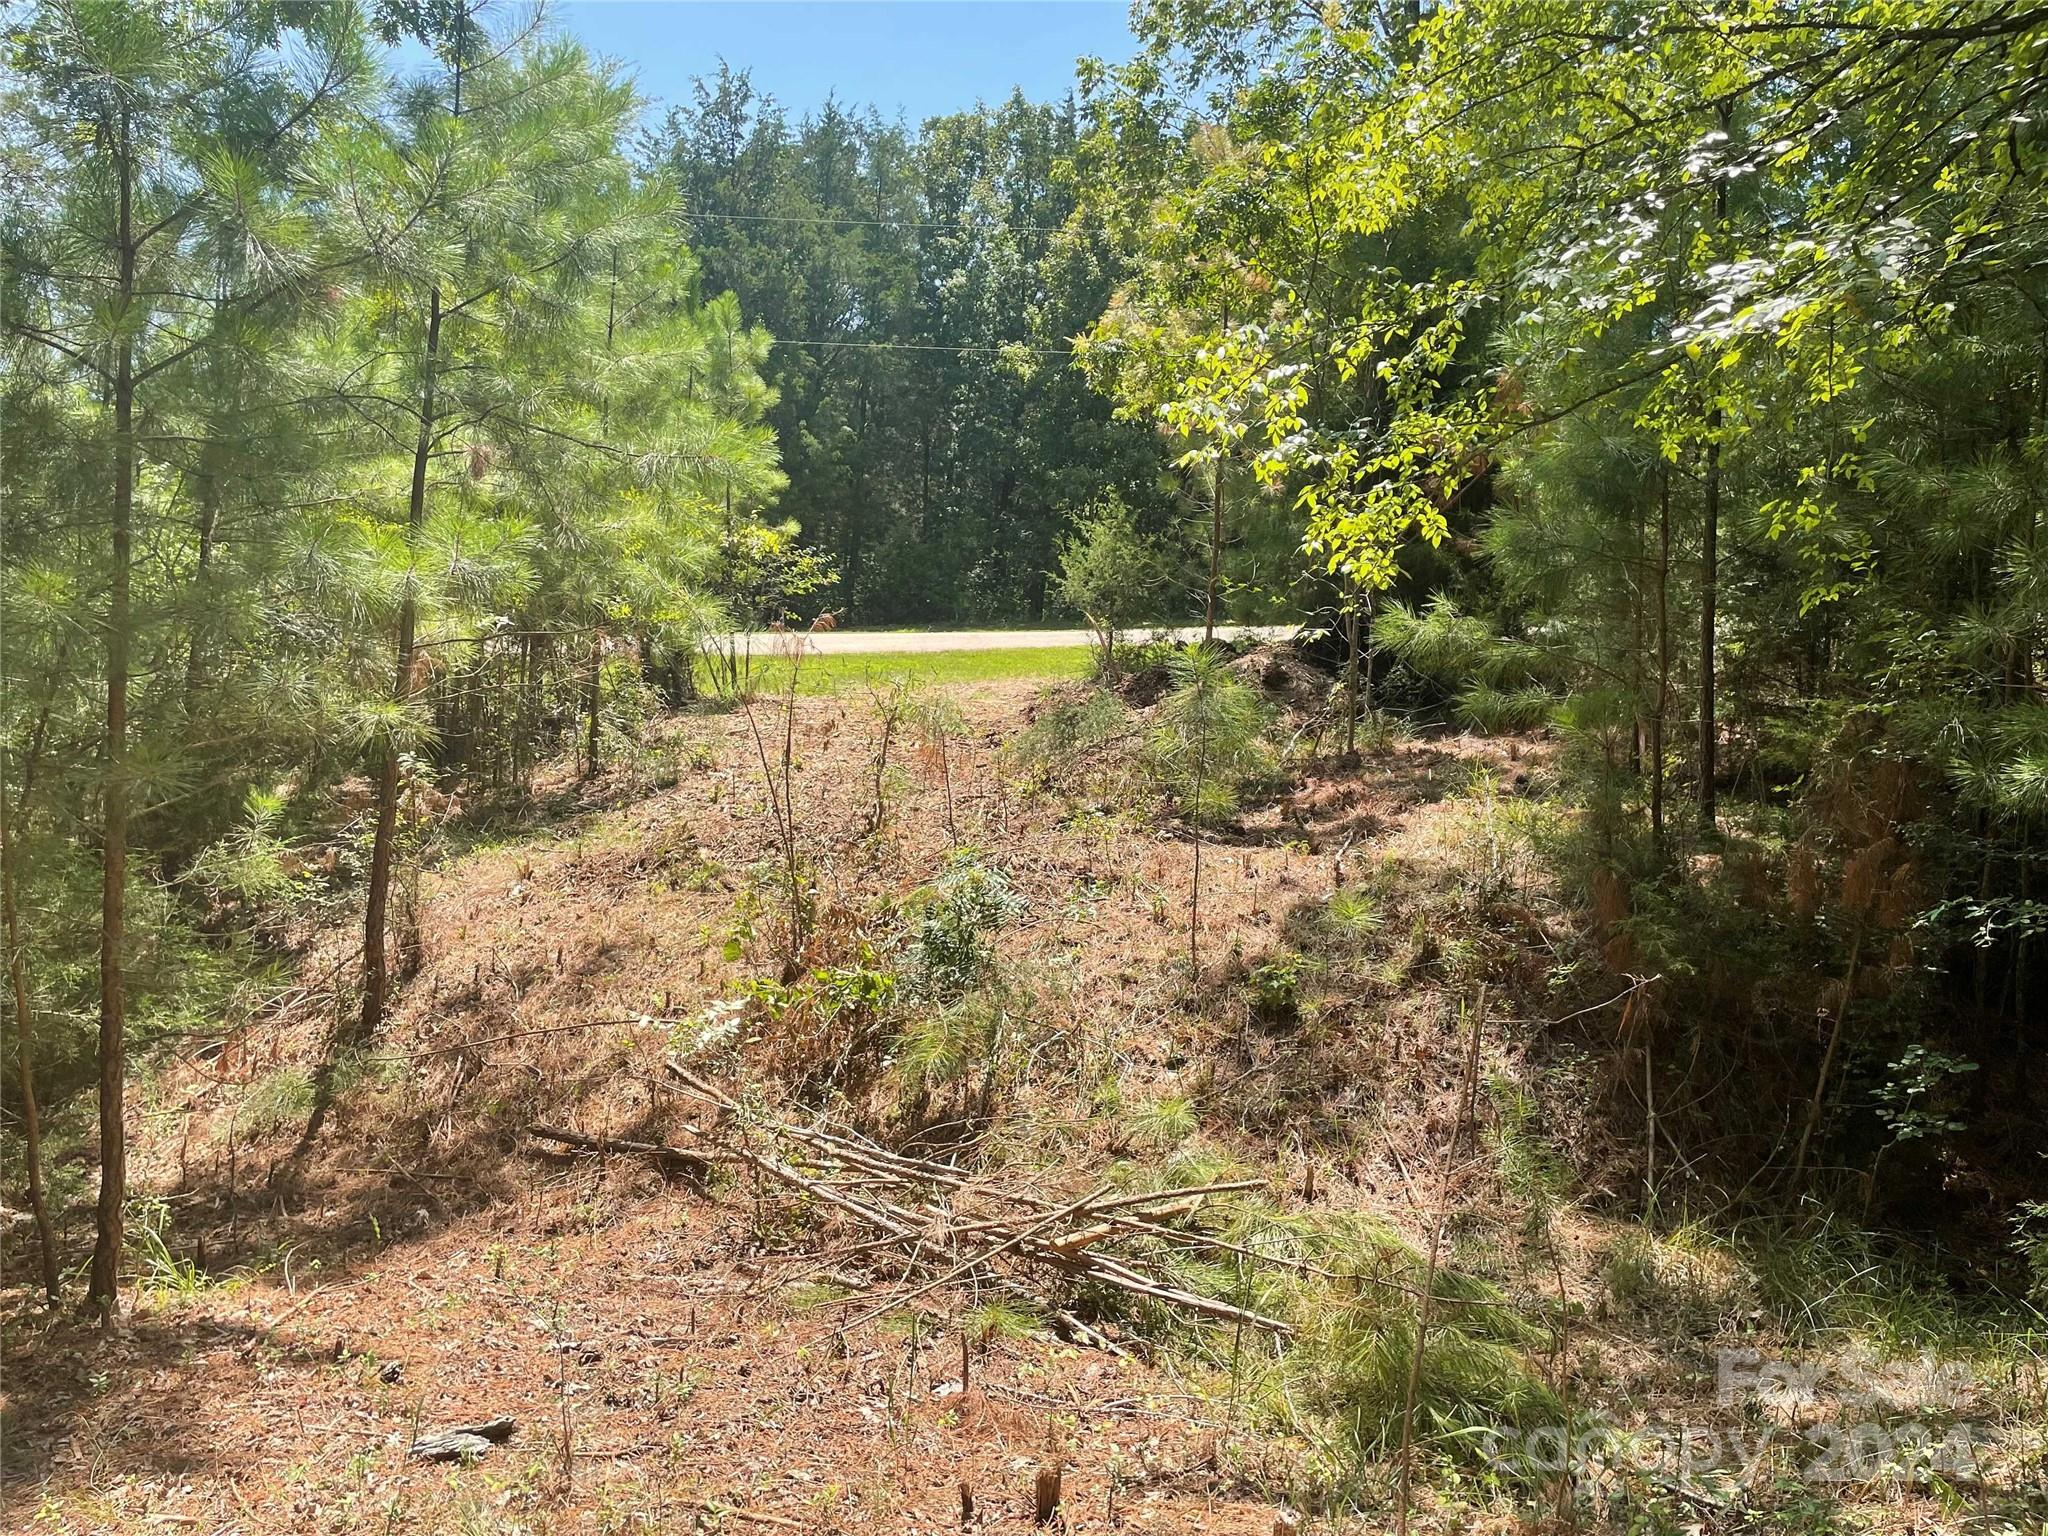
[[919, 56]]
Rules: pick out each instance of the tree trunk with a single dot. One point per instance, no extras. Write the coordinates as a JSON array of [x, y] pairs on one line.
[[1710, 569], [593, 695], [1639, 726], [24, 1049], [107, 1227], [1663, 657], [376, 972], [211, 476], [853, 530], [1710, 578], [1351, 680], [1215, 552], [209, 510], [523, 750]]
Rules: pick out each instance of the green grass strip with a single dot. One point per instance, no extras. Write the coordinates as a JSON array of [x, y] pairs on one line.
[[851, 673]]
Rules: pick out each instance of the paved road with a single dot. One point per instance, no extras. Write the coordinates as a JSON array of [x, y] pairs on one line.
[[854, 642]]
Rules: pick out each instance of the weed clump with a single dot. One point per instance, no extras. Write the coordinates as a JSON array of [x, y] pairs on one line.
[[1075, 730], [977, 1038], [971, 1028], [1275, 986], [1350, 1287], [1678, 1282], [275, 1099], [951, 949]]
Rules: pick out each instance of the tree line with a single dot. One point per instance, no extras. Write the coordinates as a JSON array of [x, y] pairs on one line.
[[927, 290], [924, 289]]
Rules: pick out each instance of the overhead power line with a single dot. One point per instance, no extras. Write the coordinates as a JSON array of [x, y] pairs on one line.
[[920, 346], [991, 227]]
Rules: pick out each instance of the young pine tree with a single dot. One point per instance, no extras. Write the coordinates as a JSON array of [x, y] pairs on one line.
[[147, 121], [490, 204]]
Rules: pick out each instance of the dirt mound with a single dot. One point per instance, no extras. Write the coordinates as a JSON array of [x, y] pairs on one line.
[[1283, 674]]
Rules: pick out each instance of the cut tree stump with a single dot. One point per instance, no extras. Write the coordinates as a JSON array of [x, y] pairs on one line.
[[1045, 1494]]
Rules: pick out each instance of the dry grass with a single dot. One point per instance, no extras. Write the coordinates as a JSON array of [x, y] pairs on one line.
[[669, 1351]]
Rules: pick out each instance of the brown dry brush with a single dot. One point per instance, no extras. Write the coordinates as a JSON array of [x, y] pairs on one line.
[[1864, 912], [1876, 895], [778, 779], [891, 706]]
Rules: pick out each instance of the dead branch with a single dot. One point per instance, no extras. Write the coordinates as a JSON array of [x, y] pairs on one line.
[[910, 1205], [696, 1165]]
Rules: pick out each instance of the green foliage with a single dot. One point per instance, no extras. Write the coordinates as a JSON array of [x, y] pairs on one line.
[[1110, 573], [1276, 988], [821, 995], [1531, 1165], [971, 1040], [1500, 685], [2030, 1241], [1471, 1387], [164, 1275], [1351, 1286], [1828, 1279], [275, 1100], [994, 1320], [1685, 382], [369, 418], [250, 862], [1208, 735], [1353, 913], [1073, 728], [1162, 1123], [937, 441], [758, 575], [1919, 1099], [956, 916]]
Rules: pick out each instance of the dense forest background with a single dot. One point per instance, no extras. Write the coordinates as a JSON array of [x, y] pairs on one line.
[[924, 288]]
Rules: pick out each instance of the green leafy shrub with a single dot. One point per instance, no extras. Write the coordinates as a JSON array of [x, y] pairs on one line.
[[1276, 988], [1500, 684], [951, 948], [1110, 573]]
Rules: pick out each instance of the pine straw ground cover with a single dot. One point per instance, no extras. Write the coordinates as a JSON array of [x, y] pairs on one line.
[[349, 1253]]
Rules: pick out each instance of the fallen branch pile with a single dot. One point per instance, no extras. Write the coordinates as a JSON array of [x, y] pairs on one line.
[[945, 1227]]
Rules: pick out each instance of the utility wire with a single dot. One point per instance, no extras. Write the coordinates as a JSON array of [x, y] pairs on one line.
[[994, 226], [920, 346]]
